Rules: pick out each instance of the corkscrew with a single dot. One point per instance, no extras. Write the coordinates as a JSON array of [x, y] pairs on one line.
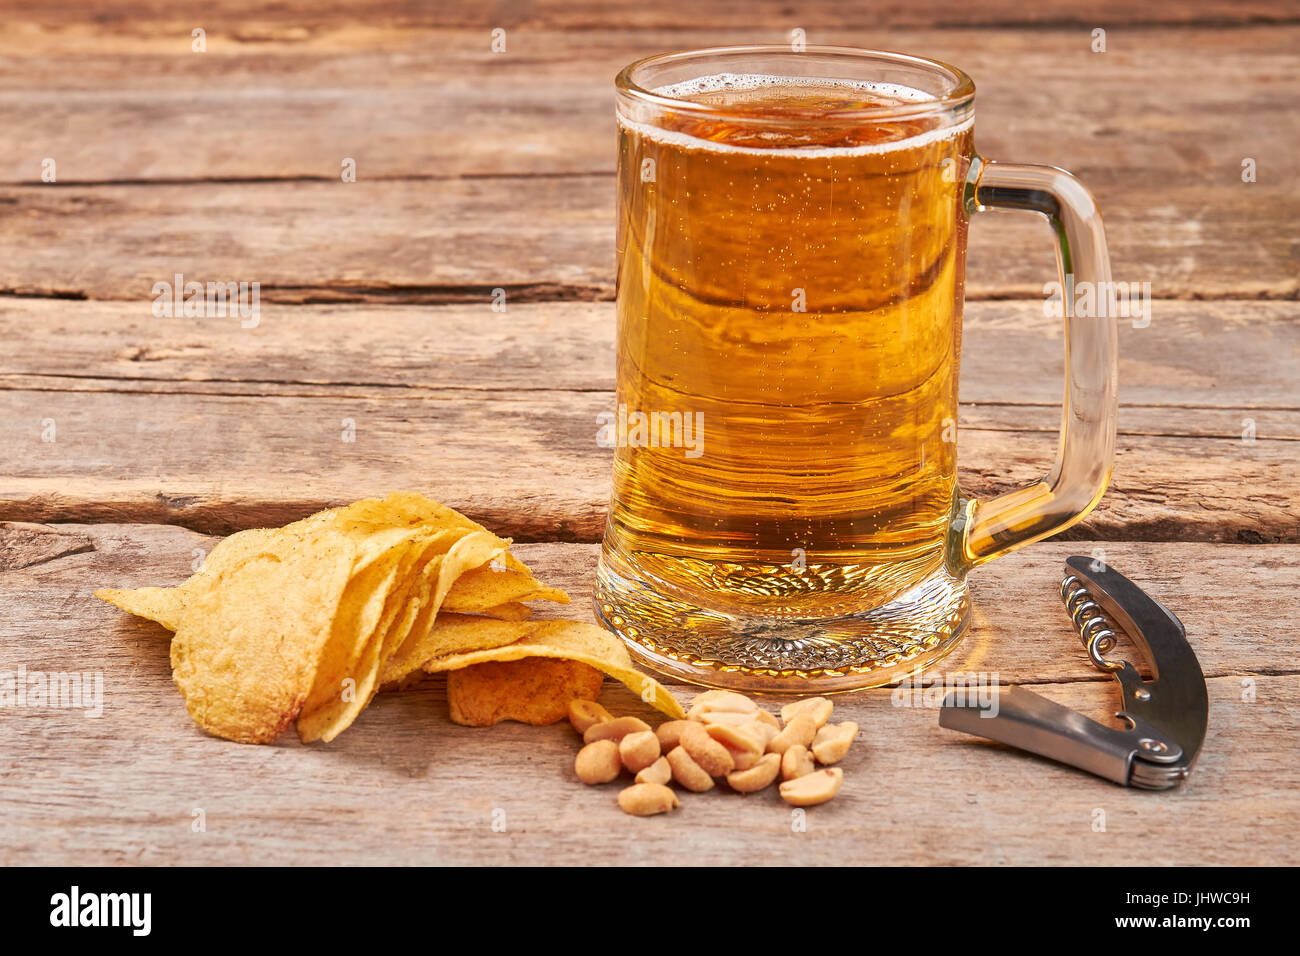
[[1167, 715]]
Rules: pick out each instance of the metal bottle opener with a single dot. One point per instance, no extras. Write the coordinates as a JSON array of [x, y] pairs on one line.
[[1167, 716]]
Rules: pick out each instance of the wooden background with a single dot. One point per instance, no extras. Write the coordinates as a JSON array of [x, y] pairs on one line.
[[480, 170]]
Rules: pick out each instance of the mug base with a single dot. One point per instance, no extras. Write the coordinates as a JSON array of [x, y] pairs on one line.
[[758, 654]]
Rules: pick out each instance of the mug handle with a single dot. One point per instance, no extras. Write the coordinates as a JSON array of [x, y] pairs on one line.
[[984, 530]]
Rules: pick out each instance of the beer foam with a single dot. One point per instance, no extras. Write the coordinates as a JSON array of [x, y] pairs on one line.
[[742, 82]]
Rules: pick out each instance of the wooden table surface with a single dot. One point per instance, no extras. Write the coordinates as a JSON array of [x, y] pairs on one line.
[[478, 170]]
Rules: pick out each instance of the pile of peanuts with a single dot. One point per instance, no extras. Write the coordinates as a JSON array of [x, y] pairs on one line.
[[725, 734]]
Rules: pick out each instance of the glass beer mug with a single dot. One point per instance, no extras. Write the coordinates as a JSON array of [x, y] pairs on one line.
[[791, 253]]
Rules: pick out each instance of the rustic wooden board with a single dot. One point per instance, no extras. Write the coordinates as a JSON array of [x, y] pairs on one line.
[[218, 428], [1194, 357], [404, 785], [549, 238], [1157, 107], [337, 21], [1019, 628], [503, 163], [530, 468], [480, 170]]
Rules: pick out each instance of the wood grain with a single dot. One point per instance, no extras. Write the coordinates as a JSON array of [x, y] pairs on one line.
[[1194, 356], [1233, 599], [404, 785], [496, 170], [479, 170], [336, 22], [527, 469], [217, 428], [1157, 107], [552, 238]]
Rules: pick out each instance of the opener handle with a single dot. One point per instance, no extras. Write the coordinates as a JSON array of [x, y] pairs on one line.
[[1027, 721]]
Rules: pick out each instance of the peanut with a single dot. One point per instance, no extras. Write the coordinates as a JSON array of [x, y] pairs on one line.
[[639, 750], [704, 696], [721, 701], [832, 741], [743, 743], [598, 762], [727, 718], [813, 788], [687, 772], [767, 731], [818, 708], [584, 713], [768, 718], [758, 776], [800, 730], [796, 762], [670, 734], [614, 730], [661, 771], [743, 759], [647, 799], [713, 758]]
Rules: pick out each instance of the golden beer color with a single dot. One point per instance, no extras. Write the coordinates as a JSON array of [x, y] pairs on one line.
[[796, 288], [791, 250]]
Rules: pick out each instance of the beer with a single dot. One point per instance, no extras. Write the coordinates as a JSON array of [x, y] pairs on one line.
[[790, 280], [791, 252]]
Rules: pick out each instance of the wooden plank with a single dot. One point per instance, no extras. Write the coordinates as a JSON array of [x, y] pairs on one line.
[[217, 428], [1236, 368], [404, 785], [220, 429], [544, 239], [529, 464], [1194, 356], [450, 107], [1160, 145], [314, 241], [1019, 627], [63, 22]]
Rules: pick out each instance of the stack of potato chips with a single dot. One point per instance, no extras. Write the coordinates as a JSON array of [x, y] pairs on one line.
[[307, 622]]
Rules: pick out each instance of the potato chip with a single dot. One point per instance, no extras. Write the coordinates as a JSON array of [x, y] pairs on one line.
[[166, 605], [333, 704], [330, 719], [247, 649], [410, 508], [162, 605], [482, 588], [510, 611], [571, 640], [366, 613], [358, 520], [535, 690], [452, 634], [474, 551], [412, 590], [307, 621], [406, 509], [409, 503]]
